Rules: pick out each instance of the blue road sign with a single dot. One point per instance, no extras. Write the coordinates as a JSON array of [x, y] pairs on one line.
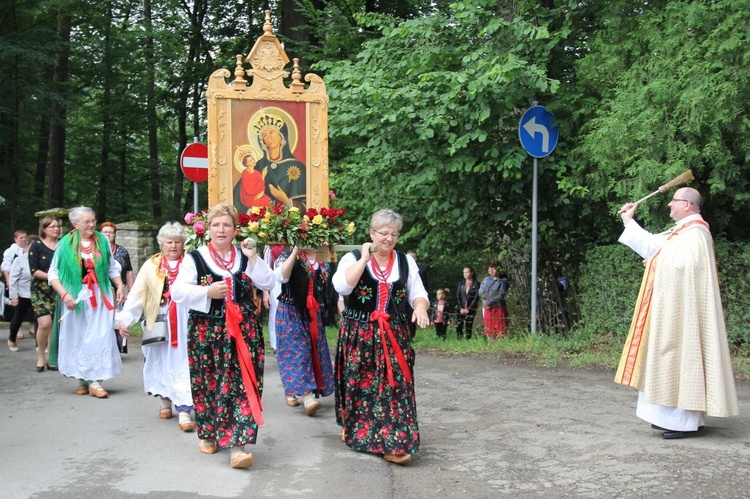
[[538, 131]]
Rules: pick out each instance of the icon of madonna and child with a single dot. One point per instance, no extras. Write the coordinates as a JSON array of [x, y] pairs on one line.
[[270, 171]]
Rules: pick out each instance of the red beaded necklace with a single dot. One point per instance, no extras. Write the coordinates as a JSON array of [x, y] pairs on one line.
[[380, 274], [171, 274], [224, 264], [86, 250]]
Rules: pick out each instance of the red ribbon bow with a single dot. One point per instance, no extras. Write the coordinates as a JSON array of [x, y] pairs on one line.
[[386, 335], [90, 280]]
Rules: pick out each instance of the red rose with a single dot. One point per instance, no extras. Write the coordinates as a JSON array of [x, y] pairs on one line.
[[312, 212], [243, 218], [278, 208]]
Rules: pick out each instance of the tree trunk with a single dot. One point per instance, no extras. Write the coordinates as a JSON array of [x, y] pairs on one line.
[[41, 161], [107, 121], [59, 113], [151, 118]]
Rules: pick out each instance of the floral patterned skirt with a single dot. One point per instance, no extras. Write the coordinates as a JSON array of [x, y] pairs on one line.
[[376, 417], [222, 409], [43, 298], [294, 353]]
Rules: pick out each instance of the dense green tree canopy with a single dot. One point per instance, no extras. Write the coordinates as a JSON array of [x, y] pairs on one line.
[[425, 102]]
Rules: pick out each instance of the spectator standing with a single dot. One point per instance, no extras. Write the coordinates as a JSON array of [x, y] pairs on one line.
[[492, 292], [441, 312], [467, 301]]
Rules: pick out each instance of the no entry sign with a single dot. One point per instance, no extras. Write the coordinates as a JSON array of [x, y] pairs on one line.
[[194, 162]]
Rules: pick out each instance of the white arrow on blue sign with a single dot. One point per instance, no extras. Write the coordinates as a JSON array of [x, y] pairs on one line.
[[538, 131]]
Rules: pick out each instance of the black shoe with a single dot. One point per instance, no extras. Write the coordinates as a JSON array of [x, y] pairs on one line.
[[51, 368], [672, 435], [654, 427], [40, 369]]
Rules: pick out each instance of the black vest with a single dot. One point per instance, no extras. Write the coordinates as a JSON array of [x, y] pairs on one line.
[[242, 287], [363, 300]]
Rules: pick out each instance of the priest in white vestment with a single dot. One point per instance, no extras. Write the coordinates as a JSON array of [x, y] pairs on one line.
[[677, 353]]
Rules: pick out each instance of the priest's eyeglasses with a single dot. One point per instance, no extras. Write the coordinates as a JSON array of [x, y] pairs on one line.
[[686, 200]]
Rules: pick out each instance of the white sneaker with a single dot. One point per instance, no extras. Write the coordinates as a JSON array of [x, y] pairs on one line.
[[12, 346]]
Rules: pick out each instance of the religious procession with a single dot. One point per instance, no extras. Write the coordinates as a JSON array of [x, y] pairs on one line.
[[267, 258]]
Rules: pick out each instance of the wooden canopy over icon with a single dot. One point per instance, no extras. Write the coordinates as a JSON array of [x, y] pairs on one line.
[[267, 140]]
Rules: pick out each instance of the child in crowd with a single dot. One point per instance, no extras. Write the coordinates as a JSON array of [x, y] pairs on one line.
[[441, 312]]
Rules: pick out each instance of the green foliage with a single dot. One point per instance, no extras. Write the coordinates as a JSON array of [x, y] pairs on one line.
[[424, 121], [611, 276], [665, 87], [733, 260], [608, 284]]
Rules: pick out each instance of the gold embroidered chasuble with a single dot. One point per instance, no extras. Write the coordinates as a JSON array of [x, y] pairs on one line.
[[676, 351]]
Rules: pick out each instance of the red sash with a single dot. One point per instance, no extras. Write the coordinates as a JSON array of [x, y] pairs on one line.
[[250, 380], [312, 309]]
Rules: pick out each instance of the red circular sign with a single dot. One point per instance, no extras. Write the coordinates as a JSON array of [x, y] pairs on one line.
[[194, 162]]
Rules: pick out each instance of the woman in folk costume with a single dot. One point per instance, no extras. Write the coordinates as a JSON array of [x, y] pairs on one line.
[[375, 398], [303, 356], [166, 373], [225, 340], [80, 273]]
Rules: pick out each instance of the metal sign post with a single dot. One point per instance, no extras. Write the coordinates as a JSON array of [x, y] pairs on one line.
[[538, 134]]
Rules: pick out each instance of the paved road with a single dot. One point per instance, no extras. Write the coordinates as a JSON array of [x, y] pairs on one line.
[[490, 428]]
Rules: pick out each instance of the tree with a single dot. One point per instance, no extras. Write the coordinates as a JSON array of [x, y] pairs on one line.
[[664, 87], [425, 121]]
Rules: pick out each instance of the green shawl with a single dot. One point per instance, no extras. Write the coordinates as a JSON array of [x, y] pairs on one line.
[[69, 263]]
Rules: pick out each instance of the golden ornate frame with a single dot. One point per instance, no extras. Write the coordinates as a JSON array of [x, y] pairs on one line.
[[239, 111]]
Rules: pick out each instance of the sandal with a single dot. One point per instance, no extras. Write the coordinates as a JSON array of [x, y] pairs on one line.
[[98, 392], [292, 401], [397, 458], [165, 413], [207, 446]]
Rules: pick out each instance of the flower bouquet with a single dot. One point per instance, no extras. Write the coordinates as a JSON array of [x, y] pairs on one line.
[[284, 225], [279, 224]]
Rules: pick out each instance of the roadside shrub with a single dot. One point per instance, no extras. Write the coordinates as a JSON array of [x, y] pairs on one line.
[[608, 283], [733, 260], [611, 276]]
